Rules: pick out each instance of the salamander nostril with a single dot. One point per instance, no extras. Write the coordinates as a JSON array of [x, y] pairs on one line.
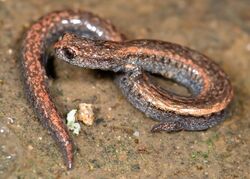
[[69, 53]]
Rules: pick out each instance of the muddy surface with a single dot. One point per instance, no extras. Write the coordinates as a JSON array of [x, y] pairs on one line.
[[119, 144]]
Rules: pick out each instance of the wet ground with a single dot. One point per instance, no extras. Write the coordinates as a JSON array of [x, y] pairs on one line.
[[120, 144]]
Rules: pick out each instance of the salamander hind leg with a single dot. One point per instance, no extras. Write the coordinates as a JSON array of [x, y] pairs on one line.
[[167, 126]]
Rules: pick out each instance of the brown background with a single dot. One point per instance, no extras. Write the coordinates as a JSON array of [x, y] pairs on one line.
[[219, 29]]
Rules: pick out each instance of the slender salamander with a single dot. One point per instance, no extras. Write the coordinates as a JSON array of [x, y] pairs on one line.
[[39, 37], [92, 42], [134, 60]]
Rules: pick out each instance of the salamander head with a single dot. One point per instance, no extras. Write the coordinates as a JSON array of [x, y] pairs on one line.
[[77, 50]]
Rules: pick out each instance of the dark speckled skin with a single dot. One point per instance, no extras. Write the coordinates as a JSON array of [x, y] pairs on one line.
[[211, 89], [39, 37], [210, 86]]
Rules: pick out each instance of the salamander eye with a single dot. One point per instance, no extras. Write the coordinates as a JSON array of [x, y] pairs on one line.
[[69, 53]]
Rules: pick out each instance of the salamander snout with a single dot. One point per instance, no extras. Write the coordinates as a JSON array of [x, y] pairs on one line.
[[85, 52]]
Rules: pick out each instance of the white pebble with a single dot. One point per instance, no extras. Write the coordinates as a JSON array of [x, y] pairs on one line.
[[136, 134]]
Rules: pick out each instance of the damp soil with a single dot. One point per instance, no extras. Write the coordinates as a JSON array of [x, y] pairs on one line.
[[120, 144]]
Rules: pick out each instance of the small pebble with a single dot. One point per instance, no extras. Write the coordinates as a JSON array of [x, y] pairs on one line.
[[85, 113], [71, 122], [136, 134], [10, 120]]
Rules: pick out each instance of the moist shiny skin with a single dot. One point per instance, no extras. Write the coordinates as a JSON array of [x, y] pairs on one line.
[[33, 56], [133, 60]]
